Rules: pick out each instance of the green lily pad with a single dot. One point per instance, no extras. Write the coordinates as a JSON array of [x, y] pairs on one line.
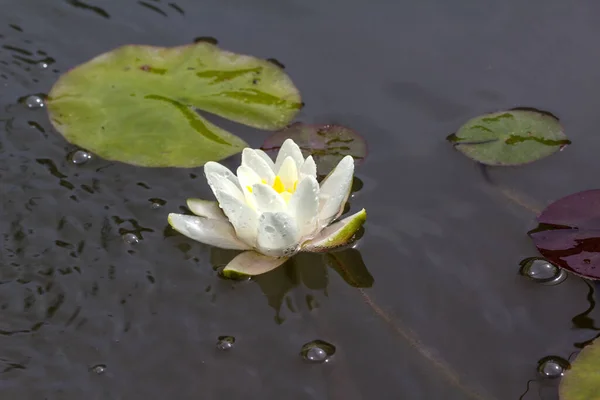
[[582, 381], [512, 137], [138, 104]]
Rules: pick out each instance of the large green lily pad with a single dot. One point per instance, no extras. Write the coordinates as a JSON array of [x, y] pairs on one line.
[[512, 137], [582, 381], [137, 104]]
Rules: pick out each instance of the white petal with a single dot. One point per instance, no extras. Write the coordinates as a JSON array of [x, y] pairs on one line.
[[309, 168], [335, 190], [243, 218], [252, 263], [289, 148], [304, 206], [277, 235], [337, 234], [206, 208], [257, 162], [218, 184], [214, 232], [248, 178], [221, 171], [267, 199], [288, 173], [266, 157]]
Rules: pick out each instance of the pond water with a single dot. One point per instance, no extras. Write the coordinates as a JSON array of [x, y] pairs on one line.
[[99, 300]]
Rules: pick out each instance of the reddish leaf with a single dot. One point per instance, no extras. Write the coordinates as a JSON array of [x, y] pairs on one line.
[[568, 233]]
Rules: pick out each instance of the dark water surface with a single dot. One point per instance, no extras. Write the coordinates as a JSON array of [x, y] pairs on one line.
[[85, 315]]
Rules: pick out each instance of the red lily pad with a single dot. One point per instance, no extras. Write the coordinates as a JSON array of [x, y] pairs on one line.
[[328, 144], [568, 233]]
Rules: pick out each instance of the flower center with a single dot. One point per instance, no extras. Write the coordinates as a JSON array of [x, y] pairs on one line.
[[279, 187]]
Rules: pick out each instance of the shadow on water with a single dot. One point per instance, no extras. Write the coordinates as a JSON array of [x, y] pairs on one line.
[[304, 269]]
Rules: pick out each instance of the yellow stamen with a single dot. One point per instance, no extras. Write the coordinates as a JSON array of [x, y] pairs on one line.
[[295, 184], [286, 196], [278, 185], [249, 188], [264, 181]]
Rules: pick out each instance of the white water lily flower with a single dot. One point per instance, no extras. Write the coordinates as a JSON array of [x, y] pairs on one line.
[[272, 209]]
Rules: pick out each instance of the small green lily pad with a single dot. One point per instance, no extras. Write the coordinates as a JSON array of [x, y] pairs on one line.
[[512, 137], [582, 381], [138, 104], [328, 144]]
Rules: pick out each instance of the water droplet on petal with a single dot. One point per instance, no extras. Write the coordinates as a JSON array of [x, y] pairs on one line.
[[98, 368], [130, 238], [269, 229], [33, 101], [317, 351], [553, 367], [542, 271], [225, 342], [80, 157]]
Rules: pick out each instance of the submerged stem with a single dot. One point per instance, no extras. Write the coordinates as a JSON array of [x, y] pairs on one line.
[[511, 194], [445, 369]]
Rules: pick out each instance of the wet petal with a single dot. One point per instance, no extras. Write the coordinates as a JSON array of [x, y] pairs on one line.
[[277, 234], [259, 164], [243, 218], [266, 157], [308, 168], [218, 184], [267, 199], [221, 171], [213, 232], [304, 205], [289, 148], [252, 263], [288, 173], [248, 178], [335, 190], [337, 234], [206, 208]]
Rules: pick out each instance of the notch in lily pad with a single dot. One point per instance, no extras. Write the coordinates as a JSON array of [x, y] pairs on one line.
[[139, 104], [507, 138], [568, 233], [582, 381], [327, 144]]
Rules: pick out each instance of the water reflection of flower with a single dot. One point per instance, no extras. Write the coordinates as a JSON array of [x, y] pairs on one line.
[[272, 210], [310, 270]]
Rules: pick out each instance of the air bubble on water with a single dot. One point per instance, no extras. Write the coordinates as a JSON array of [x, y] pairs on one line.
[[542, 271], [46, 62], [225, 342], [317, 351], [156, 203], [98, 368], [80, 157], [33, 101], [553, 367], [130, 238]]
